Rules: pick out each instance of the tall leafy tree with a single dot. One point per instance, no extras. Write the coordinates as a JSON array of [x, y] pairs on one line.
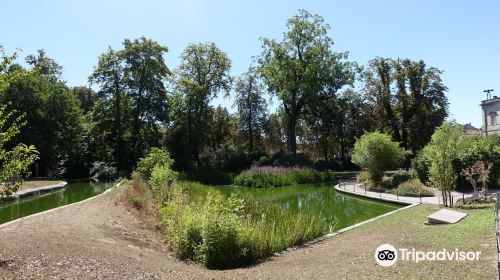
[[408, 99], [53, 117], [202, 75], [252, 107], [302, 68], [145, 73], [133, 99], [110, 112]]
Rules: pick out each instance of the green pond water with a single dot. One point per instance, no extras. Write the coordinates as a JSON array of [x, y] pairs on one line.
[[74, 192], [339, 209]]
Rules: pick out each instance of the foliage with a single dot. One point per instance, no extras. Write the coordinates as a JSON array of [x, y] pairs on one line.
[[444, 149], [362, 177], [399, 177], [478, 173], [203, 73], [376, 153], [408, 99], [421, 165], [137, 193], [218, 232], [16, 160], [103, 171], [302, 68], [162, 181], [155, 157], [286, 159], [52, 115], [131, 102], [483, 148], [268, 176], [413, 188], [212, 177], [252, 108]]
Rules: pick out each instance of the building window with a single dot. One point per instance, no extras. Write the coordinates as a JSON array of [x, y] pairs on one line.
[[493, 118]]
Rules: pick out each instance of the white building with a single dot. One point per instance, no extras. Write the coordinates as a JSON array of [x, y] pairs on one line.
[[491, 115]]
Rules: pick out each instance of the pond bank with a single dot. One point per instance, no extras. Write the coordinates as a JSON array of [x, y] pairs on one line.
[[36, 190], [102, 238]]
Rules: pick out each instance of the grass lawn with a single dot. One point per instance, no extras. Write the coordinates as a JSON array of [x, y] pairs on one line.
[[406, 229]]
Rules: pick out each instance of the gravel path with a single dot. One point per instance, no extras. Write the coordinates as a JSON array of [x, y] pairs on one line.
[[101, 239]]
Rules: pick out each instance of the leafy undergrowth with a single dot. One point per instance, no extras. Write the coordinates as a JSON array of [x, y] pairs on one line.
[[225, 232], [267, 176]]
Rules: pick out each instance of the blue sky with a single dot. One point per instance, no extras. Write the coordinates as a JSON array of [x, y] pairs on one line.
[[461, 38]]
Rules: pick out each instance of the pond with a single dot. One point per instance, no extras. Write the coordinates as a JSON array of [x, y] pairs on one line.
[[339, 209], [74, 192]]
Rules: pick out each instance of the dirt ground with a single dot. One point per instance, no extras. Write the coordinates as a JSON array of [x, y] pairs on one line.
[[103, 239]]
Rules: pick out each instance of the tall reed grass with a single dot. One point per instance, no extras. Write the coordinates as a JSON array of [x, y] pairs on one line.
[[270, 176], [224, 232]]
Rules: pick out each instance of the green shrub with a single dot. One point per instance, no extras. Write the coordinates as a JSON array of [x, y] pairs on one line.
[[210, 177], [162, 180], [399, 177], [268, 176], [156, 156], [413, 188], [421, 165], [223, 232], [376, 153]]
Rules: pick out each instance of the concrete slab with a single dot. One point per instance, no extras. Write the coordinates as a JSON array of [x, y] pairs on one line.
[[445, 216]]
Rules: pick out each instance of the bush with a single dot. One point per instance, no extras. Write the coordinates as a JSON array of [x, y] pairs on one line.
[[362, 177], [399, 177], [103, 171], [137, 192], [218, 232], [210, 177], [421, 165], [285, 159], [162, 180], [483, 148], [268, 176], [413, 188], [156, 156], [376, 153]]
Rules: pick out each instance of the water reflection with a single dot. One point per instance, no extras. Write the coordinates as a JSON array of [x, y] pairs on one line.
[[74, 192], [338, 209]]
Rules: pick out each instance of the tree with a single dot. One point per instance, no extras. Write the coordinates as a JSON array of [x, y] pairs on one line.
[[111, 113], [86, 97], [145, 72], [221, 127], [443, 151], [203, 73], [408, 99], [53, 118], [133, 99], [252, 107], [302, 68], [478, 173], [15, 161], [376, 153]]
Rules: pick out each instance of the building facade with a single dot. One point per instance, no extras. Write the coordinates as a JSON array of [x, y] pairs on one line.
[[491, 116]]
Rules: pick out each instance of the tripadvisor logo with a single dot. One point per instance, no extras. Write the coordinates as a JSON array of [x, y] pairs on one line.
[[387, 255]]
